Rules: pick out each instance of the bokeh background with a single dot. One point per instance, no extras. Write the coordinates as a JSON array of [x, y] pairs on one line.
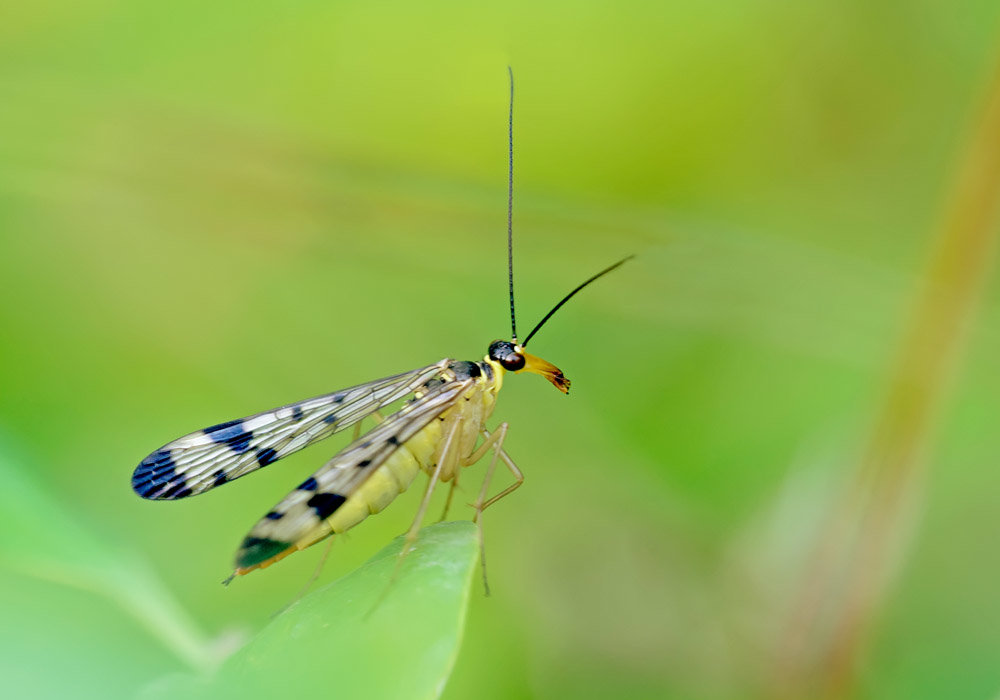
[[209, 209]]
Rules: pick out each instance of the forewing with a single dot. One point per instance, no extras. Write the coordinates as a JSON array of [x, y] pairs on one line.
[[319, 496], [218, 454]]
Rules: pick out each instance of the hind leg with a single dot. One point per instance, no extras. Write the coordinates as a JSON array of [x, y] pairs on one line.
[[447, 454], [451, 494]]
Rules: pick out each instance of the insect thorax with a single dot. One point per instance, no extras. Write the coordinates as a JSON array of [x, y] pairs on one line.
[[469, 412]]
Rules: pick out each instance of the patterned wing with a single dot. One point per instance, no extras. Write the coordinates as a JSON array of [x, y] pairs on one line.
[[303, 511], [214, 456]]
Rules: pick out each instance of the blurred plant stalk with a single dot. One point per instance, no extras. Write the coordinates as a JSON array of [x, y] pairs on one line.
[[851, 569]]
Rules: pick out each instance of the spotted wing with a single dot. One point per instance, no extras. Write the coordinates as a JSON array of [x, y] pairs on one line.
[[217, 455], [302, 512]]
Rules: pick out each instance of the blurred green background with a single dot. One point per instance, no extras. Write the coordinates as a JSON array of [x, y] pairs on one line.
[[209, 209]]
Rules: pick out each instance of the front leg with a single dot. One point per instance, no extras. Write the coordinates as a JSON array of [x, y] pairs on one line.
[[494, 441], [489, 441]]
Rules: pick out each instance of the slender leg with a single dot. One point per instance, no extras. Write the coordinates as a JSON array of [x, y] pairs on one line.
[[451, 493], [357, 426], [312, 579], [497, 442], [319, 568], [494, 441], [411, 534], [447, 452], [518, 480]]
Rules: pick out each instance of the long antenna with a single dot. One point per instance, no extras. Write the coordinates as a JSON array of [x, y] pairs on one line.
[[510, 205], [570, 296]]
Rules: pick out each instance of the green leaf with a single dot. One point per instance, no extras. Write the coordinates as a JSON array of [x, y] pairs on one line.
[[376, 633]]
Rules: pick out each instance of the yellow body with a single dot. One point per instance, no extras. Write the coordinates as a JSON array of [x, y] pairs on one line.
[[422, 451]]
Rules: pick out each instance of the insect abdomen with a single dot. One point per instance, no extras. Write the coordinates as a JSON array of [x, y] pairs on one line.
[[378, 491], [389, 480], [392, 478]]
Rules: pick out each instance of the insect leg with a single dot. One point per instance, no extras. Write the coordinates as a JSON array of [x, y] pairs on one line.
[[357, 426], [446, 454], [312, 579], [411, 536], [451, 493], [494, 441]]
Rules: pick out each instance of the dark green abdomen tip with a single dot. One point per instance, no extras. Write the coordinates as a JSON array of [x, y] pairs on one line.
[[256, 550]]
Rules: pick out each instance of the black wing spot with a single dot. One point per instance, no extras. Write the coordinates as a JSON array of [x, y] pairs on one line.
[[179, 489], [274, 515], [297, 413], [330, 419], [325, 504], [309, 484], [157, 477], [393, 440], [231, 434], [220, 477], [363, 463], [338, 398], [158, 464], [266, 456], [223, 426]]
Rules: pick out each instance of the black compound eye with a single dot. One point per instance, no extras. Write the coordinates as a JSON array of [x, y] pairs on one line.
[[513, 362]]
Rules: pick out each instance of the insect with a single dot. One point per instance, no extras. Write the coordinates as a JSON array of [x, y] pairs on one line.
[[440, 428]]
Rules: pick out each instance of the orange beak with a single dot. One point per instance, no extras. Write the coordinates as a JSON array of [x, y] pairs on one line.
[[548, 370]]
